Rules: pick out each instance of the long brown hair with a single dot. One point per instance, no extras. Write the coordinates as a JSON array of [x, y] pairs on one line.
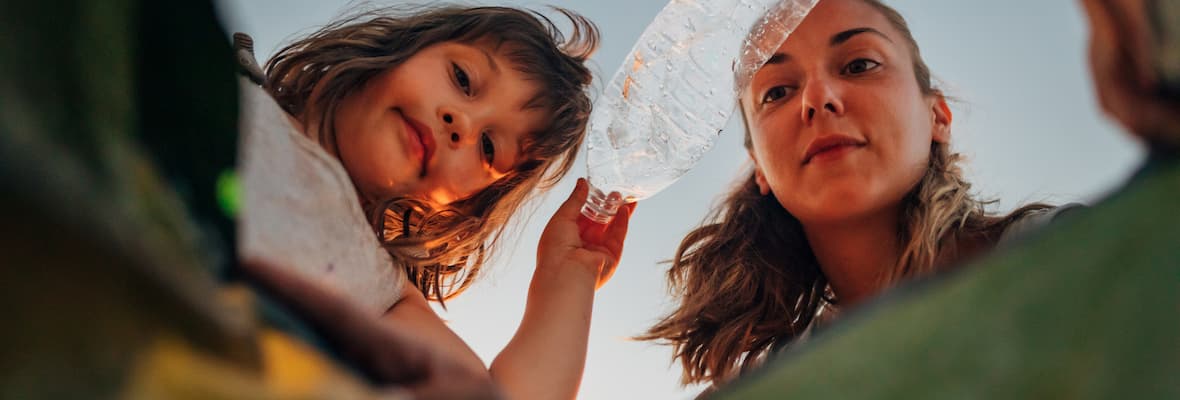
[[748, 282], [444, 247]]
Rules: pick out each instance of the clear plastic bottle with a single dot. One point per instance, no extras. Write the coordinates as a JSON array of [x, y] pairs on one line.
[[663, 108]]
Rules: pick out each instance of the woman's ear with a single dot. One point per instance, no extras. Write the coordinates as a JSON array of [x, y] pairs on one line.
[[942, 119], [760, 178]]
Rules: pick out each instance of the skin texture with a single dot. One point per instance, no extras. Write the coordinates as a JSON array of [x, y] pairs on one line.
[[845, 73], [468, 98]]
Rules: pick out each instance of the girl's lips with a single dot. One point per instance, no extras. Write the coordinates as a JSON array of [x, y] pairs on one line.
[[829, 147], [421, 141]]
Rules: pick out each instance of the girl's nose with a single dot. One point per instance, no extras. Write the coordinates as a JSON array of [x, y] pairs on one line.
[[456, 125]]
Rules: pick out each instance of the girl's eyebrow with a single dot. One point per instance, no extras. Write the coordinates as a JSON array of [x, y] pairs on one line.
[[536, 102], [491, 61]]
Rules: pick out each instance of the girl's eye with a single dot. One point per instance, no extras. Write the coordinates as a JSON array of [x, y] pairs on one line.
[[860, 66], [774, 94], [488, 148], [461, 79]]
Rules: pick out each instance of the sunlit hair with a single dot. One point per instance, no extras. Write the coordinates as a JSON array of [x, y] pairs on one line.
[[444, 247], [748, 282]]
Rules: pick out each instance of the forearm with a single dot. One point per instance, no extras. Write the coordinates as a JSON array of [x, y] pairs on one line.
[[348, 329], [413, 314], [546, 356]]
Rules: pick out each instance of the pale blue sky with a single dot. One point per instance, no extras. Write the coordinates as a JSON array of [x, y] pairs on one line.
[[1027, 121]]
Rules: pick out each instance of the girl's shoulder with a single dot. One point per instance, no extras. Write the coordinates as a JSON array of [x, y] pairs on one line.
[[300, 209]]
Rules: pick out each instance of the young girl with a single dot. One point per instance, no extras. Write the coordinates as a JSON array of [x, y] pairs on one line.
[[853, 189], [434, 126]]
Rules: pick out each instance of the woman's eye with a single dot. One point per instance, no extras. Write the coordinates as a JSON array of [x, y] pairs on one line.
[[488, 148], [860, 66], [461, 79], [774, 94]]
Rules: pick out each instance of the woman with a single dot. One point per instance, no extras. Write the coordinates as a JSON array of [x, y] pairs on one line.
[[853, 189]]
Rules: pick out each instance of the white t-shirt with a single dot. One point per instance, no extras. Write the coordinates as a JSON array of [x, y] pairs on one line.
[[300, 210]]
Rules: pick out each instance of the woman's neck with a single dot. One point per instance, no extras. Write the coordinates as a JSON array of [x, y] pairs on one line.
[[855, 256]]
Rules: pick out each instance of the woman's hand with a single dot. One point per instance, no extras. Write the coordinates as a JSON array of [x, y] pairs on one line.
[[571, 240]]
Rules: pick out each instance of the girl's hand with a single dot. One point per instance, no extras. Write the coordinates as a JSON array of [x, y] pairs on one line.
[[547, 355], [571, 240]]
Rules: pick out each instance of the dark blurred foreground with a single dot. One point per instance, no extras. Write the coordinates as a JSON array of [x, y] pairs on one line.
[[117, 120]]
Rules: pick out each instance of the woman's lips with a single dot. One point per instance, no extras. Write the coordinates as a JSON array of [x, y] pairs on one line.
[[830, 147]]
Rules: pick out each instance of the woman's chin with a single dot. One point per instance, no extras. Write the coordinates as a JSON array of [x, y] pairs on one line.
[[834, 207]]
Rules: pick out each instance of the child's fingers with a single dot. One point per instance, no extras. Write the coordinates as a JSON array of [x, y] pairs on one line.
[[572, 206], [617, 231]]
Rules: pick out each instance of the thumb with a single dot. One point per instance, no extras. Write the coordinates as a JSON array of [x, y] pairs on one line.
[[572, 207]]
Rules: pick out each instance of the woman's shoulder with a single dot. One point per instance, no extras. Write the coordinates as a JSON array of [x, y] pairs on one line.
[[1035, 220]]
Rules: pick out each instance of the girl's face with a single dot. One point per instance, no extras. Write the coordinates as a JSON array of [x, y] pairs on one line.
[[839, 126], [443, 125]]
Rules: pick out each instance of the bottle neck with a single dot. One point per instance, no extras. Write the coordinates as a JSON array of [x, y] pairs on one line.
[[600, 207]]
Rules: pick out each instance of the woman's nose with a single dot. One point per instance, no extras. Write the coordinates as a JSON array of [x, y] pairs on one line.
[[819, 97]]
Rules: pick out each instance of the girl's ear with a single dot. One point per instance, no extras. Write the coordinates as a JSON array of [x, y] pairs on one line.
[[942, 119]]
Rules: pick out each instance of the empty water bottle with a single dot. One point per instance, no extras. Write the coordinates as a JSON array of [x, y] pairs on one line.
[[663, 108]]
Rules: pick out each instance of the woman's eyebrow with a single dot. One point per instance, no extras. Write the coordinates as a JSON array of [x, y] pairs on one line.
[[778, 58], [844, 36]]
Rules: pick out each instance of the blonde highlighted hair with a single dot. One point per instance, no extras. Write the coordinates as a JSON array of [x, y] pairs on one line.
[[444, 247], [748, 283]]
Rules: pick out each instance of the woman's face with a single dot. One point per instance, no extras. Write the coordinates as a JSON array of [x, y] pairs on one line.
[[443, 125], [839, 126]]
